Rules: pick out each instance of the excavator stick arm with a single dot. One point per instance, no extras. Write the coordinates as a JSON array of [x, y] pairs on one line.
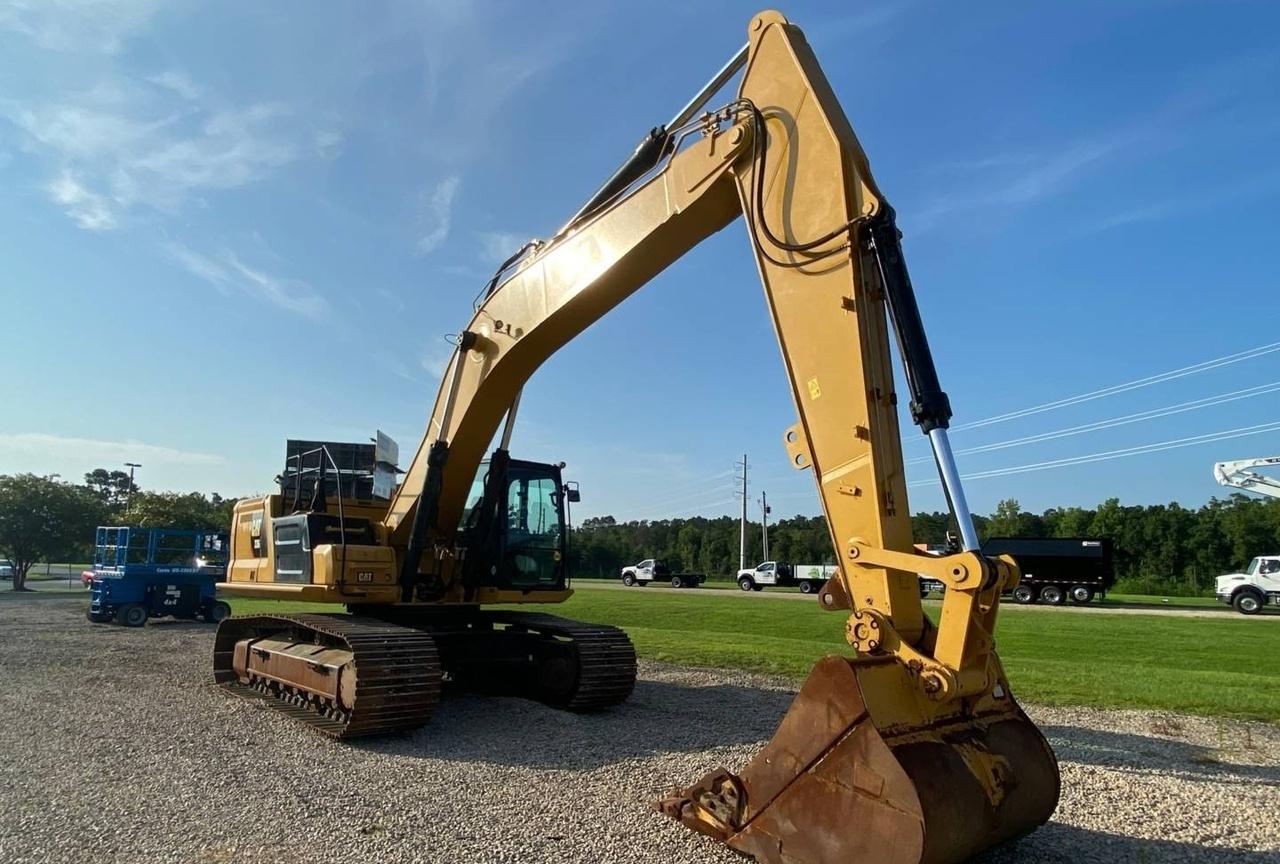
[[916, 744]]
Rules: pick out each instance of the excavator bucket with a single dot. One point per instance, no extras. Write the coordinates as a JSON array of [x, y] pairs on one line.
[[832, 787]]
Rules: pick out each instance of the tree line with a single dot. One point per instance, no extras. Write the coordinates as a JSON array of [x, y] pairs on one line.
[[1160, 548], [43, 519]]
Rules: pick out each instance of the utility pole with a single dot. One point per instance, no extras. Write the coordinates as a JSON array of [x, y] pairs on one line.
[[764, 522], [128, 501], [742, 533]]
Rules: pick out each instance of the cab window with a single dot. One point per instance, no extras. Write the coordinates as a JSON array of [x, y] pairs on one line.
[[533, 529]]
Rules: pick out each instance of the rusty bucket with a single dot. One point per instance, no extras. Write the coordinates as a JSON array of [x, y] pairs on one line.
[[832, 787]]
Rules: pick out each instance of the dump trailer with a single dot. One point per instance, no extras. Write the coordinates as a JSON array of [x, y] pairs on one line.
[[1058, 568], [912, 749], [142, 573]]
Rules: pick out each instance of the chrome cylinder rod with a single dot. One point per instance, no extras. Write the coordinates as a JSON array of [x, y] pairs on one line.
[[466, 339], [689, 111], [509, 426], [951, 485]]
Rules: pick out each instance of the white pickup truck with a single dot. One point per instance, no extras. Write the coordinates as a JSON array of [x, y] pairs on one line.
[[810, 577], [1257, 586], [656, 570]]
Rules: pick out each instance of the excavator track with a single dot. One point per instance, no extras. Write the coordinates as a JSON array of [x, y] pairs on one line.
[[394, 672], [349, 676], [604, 673]]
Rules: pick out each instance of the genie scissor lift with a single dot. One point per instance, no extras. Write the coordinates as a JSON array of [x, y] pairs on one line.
[[141, 573]]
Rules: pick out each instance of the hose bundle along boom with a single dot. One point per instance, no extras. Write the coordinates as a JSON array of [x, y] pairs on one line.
[[913, 750]]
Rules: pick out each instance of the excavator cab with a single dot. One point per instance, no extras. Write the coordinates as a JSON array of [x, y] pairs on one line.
[[515, 526]]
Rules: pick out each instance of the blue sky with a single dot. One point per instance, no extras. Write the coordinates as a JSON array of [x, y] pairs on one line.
[[225, 228]]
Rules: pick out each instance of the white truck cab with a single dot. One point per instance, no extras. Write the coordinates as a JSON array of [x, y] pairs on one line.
[[1256, 587]]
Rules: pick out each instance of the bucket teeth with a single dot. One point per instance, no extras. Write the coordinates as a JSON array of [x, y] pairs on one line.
[[831, 786], [713, 805]]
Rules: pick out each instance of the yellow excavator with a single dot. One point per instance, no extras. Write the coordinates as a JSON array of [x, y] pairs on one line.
[[911, 750]]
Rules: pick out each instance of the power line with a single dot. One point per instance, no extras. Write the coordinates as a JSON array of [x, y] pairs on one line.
[[1160, 378], [677, 499], [1099, 425], [723, 502], [1122, 453], [695, 487]]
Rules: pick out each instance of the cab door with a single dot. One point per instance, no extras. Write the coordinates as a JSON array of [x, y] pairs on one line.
[[1269, 576], [767, 573]]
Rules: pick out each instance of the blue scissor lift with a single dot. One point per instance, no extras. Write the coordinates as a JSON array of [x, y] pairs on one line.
[[141, 573]]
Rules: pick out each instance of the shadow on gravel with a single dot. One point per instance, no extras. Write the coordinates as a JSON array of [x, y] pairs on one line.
[[1126, 750], [1056, 843], [660, 717]]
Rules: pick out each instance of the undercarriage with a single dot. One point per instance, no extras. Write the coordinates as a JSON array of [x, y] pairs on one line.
[[368, 674]]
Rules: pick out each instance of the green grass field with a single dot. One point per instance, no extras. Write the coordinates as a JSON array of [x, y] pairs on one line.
[[1195, 665], [1112, 599]]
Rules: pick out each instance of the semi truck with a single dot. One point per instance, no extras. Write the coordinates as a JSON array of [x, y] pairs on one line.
[[656, 570], [781, 574]]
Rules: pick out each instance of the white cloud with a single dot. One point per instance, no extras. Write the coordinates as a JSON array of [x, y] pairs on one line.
[[88, 209], [437, 214], [229, 274], [328, 142], [73, 26], [498, 246], [159, 156], [435, 359], [1019, 179], [60, 448], [177, 82]]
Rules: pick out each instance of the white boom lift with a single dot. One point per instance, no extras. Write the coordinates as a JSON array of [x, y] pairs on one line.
[[1259, 585], [1240, 475]]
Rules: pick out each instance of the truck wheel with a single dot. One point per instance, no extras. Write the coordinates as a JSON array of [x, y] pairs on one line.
[[1081, 594], [628, 579], [1247, 602], [807, 587], [217, 612], [1023, 594], [745, 584], [132, 615], [1052, 595], [677, 582]]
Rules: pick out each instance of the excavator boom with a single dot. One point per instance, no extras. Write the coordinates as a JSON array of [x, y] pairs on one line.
[[911, 750]]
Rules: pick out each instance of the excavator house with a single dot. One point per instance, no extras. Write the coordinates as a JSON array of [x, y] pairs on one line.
[[911, 747]]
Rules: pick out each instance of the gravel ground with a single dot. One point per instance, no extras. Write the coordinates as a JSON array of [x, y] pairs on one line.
[[115, 748]]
